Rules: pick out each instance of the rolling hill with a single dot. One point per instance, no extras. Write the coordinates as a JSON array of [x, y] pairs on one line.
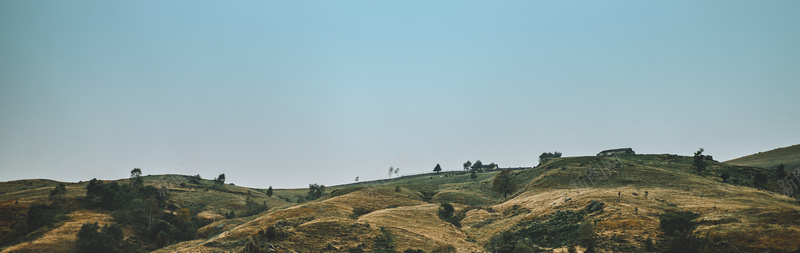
[[630, 203], [788, 156]]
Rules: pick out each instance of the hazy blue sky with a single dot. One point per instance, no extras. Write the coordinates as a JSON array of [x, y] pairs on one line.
[[287, 93]]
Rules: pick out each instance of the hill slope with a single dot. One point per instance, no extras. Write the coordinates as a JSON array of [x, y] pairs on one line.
[[788, 156], [549, 211]]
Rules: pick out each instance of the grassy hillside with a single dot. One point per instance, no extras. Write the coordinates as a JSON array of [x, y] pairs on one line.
[[788, 156], [548, 212]]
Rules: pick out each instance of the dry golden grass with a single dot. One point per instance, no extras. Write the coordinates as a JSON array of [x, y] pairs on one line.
[[740, 216], [419, 227], [62, 239]]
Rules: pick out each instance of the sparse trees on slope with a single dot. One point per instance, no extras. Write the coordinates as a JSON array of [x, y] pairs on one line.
[[437, 169], [503, 183]]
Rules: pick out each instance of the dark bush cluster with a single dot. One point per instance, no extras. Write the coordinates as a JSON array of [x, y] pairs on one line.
[[677, 222], [315, 191], [142, 209], [448, 213], [107, 240]]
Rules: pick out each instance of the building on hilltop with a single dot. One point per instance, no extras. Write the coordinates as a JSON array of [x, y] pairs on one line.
[[619, 151]]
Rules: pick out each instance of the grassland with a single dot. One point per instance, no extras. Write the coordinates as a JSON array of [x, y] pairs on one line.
[[357, 217], [788, 156]]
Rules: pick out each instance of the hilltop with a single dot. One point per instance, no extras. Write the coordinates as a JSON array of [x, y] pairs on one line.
[[622, 209], [788, 156]]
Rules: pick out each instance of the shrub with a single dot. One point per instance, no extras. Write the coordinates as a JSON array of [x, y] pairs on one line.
[[677, 222], [595, 206], [195, 179], [109, 239], [446, 211], [315, 191], [588, 237]]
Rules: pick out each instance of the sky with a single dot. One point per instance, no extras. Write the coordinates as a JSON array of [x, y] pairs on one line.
[[289, 93]]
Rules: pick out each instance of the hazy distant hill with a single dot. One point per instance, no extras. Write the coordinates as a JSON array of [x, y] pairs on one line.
[[788, 156], [547, 212]]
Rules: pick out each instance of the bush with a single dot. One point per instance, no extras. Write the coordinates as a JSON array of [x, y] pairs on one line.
[[315, 191], [413, 251], [109, 239], [677, 222], [446, 211], [588, 237], [562, 228], [273, 233], [595, 206], [40, 216]]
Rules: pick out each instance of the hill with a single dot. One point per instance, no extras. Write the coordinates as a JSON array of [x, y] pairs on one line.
[[788, 156], [631, 203]]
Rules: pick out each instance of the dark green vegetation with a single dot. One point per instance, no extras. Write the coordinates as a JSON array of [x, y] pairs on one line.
[[143, 209], [546, 156], [563, 228], [109, 239]]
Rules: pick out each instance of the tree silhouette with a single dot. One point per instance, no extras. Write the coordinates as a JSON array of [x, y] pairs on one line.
[[467, 165], [437, 169], [699, 161], [478, 165], [136, 176], [220, 179], [503, 183], [269, 191], [781, 171]]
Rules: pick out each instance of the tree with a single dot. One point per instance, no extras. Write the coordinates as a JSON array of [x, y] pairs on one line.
[[391, 170], [269, 191], [315, 191], [699, 161], [220, 180], [546, 156], [57, 194], [781, 171], [136, 176], [473, 174], [725, 176], [759, 180], [467, 165], [503, 183], [478, 165], [437, 169]]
